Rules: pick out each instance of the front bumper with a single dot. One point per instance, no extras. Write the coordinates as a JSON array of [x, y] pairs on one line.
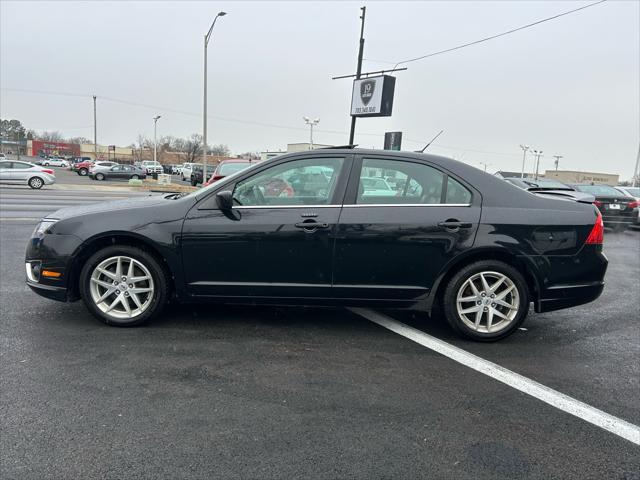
[[48, 291]]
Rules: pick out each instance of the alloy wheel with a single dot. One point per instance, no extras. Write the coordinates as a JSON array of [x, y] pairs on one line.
[[487, 302], [35, 182], [121, 287]]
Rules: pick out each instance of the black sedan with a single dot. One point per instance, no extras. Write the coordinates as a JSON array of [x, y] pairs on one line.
[[450, 238], [618, 210], [118, 172], [196, 174]]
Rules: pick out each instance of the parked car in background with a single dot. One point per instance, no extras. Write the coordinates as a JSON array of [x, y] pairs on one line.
[[3, 156], [73, 161], [82, 168], [187, 170], [119, 172], [25, 173], [152, 167], [196, 174], [54, 162], [635, 193], [175, 169], [618, 210], [100, 165], [229, 167]]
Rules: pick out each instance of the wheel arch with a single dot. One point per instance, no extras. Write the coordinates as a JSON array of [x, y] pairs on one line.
[[107, 239], [523, 265]]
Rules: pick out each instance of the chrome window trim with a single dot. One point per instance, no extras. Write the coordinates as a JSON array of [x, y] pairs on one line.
[[360, 205], [245, 207]]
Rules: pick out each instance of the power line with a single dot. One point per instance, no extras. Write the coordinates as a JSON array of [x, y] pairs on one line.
[[489, 38], [235, 120]]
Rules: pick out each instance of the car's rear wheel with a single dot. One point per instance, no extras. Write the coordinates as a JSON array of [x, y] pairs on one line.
[[135, 177], [123, 286], [35, 182], [83, 172], [486, 300], [99, 176], [46, 164]]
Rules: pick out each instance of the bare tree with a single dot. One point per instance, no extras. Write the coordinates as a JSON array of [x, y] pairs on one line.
[[192, 147], [219, 150], [53, 136]]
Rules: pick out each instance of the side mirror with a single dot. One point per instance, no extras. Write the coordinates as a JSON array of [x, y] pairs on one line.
[[224, 200]]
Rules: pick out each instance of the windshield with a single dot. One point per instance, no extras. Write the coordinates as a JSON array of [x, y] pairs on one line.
[[230, 168], [204, 190], [600, 190], [635, 191]]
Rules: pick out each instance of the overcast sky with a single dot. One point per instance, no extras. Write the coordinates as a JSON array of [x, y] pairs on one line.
[[568, 87]]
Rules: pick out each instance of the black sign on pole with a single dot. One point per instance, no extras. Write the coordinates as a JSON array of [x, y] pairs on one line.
[[392, 140]]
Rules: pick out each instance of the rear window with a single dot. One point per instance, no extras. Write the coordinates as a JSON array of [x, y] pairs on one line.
[[230, 168], [600, 190]]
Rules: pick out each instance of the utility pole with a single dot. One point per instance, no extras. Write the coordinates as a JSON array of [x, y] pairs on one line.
[[557, 160], [155, 138], [311, 124], [95, 131], [524, 158], [636, 173], [352, 132], [204, 115], [537, 154]]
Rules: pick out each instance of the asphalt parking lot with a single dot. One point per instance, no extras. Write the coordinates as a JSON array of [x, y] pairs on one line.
[[241, 392]]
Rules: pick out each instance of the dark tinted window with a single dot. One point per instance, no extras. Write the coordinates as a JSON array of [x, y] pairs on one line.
[[398, 182], [230, 168], [457, 193]]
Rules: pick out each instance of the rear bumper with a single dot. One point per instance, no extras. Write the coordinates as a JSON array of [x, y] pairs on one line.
[[566, 296]]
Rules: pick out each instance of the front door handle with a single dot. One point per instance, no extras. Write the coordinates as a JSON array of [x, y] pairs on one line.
[[454, 224], [311, 225]]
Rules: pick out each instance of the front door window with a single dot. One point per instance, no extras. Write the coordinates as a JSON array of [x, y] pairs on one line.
[[299, 182]]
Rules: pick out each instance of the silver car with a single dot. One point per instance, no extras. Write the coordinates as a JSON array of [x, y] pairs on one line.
[[25, 173]]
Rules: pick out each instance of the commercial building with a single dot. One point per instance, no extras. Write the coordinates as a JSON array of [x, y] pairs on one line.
[[574, 176], [291, 148]]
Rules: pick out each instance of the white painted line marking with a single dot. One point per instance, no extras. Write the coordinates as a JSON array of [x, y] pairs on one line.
[[552, 397]]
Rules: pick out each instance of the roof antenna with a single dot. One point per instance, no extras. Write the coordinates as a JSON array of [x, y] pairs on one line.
[[432, 140]]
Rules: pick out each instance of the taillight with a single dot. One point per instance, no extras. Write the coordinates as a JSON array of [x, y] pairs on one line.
[[596, 236], [47, 170], [597, 203], [633, 204]]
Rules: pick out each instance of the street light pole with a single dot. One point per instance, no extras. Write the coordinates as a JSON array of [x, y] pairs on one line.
[[537, 154], [204, 115], [311, 124], [352, 131], [95, 131], [155, 138], [524, 158], [485, 165]]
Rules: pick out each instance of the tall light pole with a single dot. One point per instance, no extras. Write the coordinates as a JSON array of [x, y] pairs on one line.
[[557, 160], [524, 158], [311, 124], [636, 171], [485, 165], [155, 138], [95, 131], [204, 115], [537, 154]]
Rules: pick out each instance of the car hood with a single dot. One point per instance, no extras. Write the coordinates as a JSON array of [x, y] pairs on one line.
[[115, 205]]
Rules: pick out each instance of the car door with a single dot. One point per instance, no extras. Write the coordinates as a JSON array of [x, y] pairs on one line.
[[392, 245], [278, 239], [5, 172], [21, 172]]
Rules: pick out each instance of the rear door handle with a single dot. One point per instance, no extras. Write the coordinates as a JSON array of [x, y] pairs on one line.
[[311, 225], [454, 224]]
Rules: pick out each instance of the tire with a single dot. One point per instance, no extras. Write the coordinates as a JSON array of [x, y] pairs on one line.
[[99, 176], [36, 183], [94, 285], [193, 182], [134, 177], [460, 287], [46, 164], [83, 172]]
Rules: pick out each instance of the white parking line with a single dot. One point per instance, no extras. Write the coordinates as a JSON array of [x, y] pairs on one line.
[[552, 397]]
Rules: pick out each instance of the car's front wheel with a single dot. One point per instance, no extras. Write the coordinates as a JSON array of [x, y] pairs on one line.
[[35, 183], [486, 300], [83, 172], [134, 177], [99, 176], [123, 286]]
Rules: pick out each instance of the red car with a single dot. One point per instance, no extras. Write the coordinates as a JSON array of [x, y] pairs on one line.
[[228, 167], [82, 168]]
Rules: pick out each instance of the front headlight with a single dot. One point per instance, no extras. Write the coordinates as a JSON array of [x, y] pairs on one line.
[[42, 227]]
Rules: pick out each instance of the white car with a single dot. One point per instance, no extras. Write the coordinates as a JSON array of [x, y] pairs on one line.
[[3, 156], [24, 173], [55, 162], [152, 167], [632, 192], [187, 170], [101, 166]]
